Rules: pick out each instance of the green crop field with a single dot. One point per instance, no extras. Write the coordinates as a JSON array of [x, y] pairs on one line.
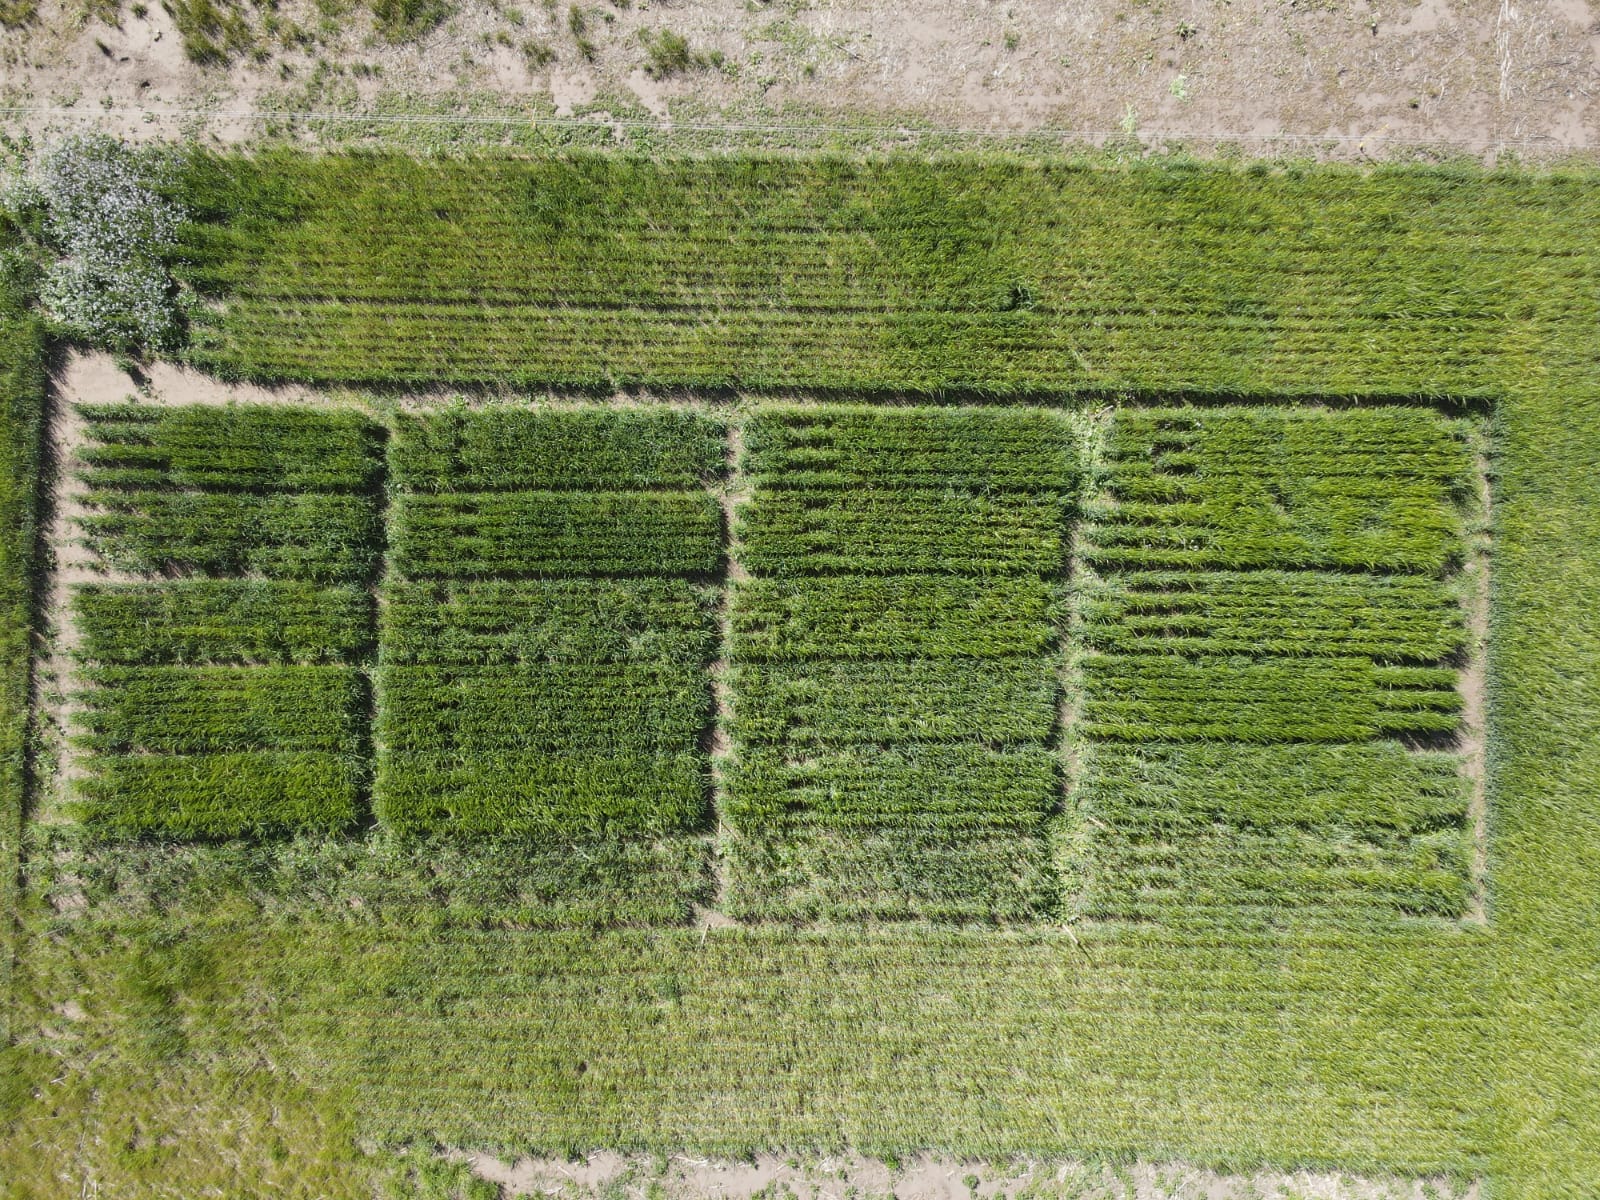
[[1007, 658]]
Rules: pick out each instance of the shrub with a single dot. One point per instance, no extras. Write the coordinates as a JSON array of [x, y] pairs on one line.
[[668, 53], [110, 232], [406, 20]]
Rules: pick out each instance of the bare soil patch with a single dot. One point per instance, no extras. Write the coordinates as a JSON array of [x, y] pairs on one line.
[[1355, 79], [927, 1178]]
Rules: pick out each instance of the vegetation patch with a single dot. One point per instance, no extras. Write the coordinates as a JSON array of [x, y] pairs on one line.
[[1137, 707], [544, 673], [1353, 648]]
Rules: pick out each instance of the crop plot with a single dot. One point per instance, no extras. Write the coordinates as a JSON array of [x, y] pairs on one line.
[[1273, 627], [896, 687], [1258, 715], [223, 696], [548, 624]]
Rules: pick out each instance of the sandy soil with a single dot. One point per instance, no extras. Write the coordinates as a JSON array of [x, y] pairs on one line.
[[83, 378], [1356, 78], [926, 1178]]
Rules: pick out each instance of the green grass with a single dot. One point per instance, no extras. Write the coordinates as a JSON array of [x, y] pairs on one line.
[[24, 359], [1381, 1042]]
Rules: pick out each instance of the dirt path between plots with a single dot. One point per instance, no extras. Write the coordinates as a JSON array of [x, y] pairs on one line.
[[735, 493], [925, 1177], [69, 564], [1472, 680], [1356, 79]]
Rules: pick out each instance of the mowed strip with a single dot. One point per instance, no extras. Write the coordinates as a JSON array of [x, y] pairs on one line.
[[895, 692], [1268, 603]]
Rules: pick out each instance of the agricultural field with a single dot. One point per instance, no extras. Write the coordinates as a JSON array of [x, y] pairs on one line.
[[1018, 661]]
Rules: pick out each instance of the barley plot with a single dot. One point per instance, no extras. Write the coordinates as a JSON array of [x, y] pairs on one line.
[[223, 697], [895, 685], [547, 628], [1267, 606]]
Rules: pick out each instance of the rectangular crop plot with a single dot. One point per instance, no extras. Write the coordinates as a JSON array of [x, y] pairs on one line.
[[1272, 635], [220, 693], [547, 627], [895, 692]]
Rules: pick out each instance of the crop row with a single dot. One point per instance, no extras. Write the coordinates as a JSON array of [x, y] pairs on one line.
[[816, 873], [789, 532], [1361, 489], [893, 616], [1278, 871], [220, 795], [932, 788], [515, 449], [576, 793], [1167, 789], [1153, 698], [317, 537], [486, 534], [244, 447], [1284, 613], [942, 449], [392, 342], [627, 708], [1311, 523], [198, 710], [191, 621], [835, 704], [1158, 447], [445, 622]]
